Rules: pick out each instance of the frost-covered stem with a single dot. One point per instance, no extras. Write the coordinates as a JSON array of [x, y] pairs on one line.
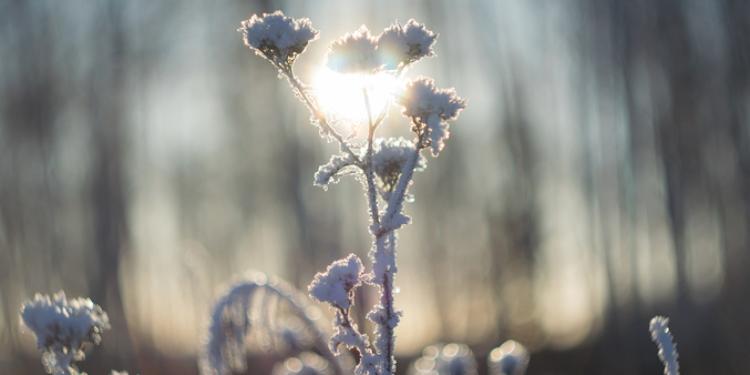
[[322, 120], [372, 197], [361, 343], [396, 201]]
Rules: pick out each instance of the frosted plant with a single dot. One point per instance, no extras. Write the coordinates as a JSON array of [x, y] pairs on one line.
[[449, 359], [63, 328], [246, 306], [306, 363], [662, 336], [510, 358], [385, 167]]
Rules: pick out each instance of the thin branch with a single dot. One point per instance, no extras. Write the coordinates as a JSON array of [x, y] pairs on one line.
[[369, 173]]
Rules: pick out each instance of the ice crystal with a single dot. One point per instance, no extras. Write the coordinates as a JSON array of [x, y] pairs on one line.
[[431, 108], [354, 53], [662, 336], [63, 328], [335, 284], [399, 45], [276, 37]]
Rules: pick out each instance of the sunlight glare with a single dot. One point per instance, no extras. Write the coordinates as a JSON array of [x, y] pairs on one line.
[[341, 97]]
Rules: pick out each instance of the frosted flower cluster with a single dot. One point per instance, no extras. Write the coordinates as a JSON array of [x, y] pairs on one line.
[[395, 48], [402, 45], [660, 334], [430, 108], [335, 284], [354, 53], [278, 38], [62, 328], [390, 155]]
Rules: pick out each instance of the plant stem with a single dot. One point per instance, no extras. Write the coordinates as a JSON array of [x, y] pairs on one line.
[[372, 197]]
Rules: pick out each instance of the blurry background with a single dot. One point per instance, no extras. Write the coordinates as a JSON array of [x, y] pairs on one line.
[[600, 175]]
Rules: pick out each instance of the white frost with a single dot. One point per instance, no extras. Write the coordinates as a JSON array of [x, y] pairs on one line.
[[399, 45], [62, 328], [354, 53], [276, 37], [432, 108], [340, 278]]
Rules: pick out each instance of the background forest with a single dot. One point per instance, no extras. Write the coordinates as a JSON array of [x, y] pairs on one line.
[[600, 176]]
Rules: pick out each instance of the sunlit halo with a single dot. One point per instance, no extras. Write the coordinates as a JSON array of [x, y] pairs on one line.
[[341, 97]]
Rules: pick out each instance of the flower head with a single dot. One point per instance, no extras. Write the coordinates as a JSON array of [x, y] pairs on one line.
[[63, 327], [354, 53], [276, 37], [402, 45], [431, 108], [388, 160], [333, 285]]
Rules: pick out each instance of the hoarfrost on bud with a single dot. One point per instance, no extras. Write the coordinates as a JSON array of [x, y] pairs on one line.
[[390, 156], [510, 358], [335, 284], [662, 336], [354, 53], [278, 38], [400, 46], [446, 359], [431, 108], [62, 328], [330, 172]]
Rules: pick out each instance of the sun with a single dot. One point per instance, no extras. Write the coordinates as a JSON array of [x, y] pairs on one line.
[[341, 96]]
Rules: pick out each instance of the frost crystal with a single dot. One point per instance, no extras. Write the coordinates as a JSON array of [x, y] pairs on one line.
[[62, 328], [402, 45], [510, 358], [431, 107], [661, 335], [329, 172], [390, 155], [276, 37], [334, 285], [354, 53]]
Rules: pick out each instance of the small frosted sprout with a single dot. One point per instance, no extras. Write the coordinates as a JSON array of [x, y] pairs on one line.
[[306, 363], [662, 336], [400, 46], [338, 165], [510, 358], [354, 53], [449, 359], [430, 108], [63, 328], [277, 38]]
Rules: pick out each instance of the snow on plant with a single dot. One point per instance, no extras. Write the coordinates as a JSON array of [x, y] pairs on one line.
[[662, 336], [63, 328], [449, 359], [246, 306], [384, 166], [510, 358]]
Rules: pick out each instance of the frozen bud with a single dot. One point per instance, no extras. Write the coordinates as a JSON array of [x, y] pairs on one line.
[[278, 38], [431, 108], [354, 53], [399, 45], [62, 328], [330, 172], [335, 284]]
